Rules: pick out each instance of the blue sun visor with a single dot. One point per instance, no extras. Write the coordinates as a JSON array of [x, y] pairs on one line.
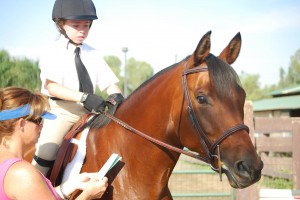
[[21, 112]]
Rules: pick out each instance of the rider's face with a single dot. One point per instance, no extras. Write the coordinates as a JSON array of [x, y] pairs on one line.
[[77, 30]]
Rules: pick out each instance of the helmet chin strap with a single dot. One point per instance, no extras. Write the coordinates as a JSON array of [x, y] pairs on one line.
[[63, 32]]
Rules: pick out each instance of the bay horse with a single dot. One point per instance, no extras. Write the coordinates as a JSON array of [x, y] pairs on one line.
[[198, 104]]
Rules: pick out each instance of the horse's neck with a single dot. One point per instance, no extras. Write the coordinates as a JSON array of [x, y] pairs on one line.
[[149, 110]]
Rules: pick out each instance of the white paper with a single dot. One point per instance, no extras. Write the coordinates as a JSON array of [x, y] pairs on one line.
[[113, 159]]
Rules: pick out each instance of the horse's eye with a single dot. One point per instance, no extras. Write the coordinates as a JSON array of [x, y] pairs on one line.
[[202, 99]]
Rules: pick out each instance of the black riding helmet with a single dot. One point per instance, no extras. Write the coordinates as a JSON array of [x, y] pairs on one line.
[[73, 10]]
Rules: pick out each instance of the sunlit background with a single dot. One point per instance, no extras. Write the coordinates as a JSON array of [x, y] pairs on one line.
[[163, 32]]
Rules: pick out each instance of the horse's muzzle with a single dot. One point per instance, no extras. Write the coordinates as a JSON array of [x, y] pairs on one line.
[[244, 173]]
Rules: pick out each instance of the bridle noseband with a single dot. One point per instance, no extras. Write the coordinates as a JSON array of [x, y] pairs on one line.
[[208, 146]]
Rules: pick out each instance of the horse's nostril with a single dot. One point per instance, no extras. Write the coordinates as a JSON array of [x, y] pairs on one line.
[[240, 166], [243, 168]]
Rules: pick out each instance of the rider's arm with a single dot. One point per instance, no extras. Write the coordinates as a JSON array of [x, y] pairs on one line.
[[112, 89], [62, 92]]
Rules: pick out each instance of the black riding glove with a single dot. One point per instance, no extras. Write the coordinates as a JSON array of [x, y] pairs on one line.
[[115, 100], [93, 103]]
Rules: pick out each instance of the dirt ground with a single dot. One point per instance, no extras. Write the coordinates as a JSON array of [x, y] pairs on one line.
[[198, 183]]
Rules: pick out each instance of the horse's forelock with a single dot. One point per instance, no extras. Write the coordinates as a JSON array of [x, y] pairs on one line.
[[222, 76]]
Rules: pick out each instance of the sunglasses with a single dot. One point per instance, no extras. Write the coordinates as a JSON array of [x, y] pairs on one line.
[[38, 121]]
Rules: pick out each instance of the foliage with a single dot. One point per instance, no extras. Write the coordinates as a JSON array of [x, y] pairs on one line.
[[115, 64], [137, 73], [277, 183], [250, 82], [292, 76], [251, 85], [18, 72]]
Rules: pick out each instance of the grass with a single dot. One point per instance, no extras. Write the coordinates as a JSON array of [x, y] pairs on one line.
[[275, 183], [196, 165]]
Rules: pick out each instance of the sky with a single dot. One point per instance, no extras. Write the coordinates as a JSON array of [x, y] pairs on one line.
[[162, 32]]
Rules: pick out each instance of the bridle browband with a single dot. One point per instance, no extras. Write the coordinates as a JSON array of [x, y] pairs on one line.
[[209, 147]]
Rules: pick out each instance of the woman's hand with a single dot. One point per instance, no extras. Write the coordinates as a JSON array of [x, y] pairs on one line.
[[89, 183], [95, 189], [85, 178]]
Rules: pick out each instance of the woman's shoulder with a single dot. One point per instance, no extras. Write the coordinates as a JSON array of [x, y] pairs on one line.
[[23, 170], [23, 180]]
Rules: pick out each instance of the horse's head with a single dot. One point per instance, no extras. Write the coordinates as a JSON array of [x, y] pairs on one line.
[[215, 99]]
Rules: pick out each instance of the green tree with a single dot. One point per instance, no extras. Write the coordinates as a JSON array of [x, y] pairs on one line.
[[292, 76], [4, 66], [19, 72], [137, 73], [282, 83], [294, 68], [251, 85], [115, 64]]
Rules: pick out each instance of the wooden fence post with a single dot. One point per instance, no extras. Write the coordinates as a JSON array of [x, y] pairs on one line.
[[296, 154], [250, 192], [249, 119]]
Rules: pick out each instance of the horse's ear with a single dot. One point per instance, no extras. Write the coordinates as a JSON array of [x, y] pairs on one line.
[[202, 49], [231, 52]]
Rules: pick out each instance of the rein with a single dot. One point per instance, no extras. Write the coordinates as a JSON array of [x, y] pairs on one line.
[[170, 147]]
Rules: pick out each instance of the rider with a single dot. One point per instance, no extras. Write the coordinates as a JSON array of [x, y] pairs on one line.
[[68, 97]]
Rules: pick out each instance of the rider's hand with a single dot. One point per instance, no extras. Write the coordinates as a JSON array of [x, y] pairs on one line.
[[113, 101], [94, 103]]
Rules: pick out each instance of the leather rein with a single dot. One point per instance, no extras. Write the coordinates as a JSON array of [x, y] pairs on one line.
[[209, 147]]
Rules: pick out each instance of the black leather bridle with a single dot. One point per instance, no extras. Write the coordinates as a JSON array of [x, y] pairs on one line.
[[208, 146]]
